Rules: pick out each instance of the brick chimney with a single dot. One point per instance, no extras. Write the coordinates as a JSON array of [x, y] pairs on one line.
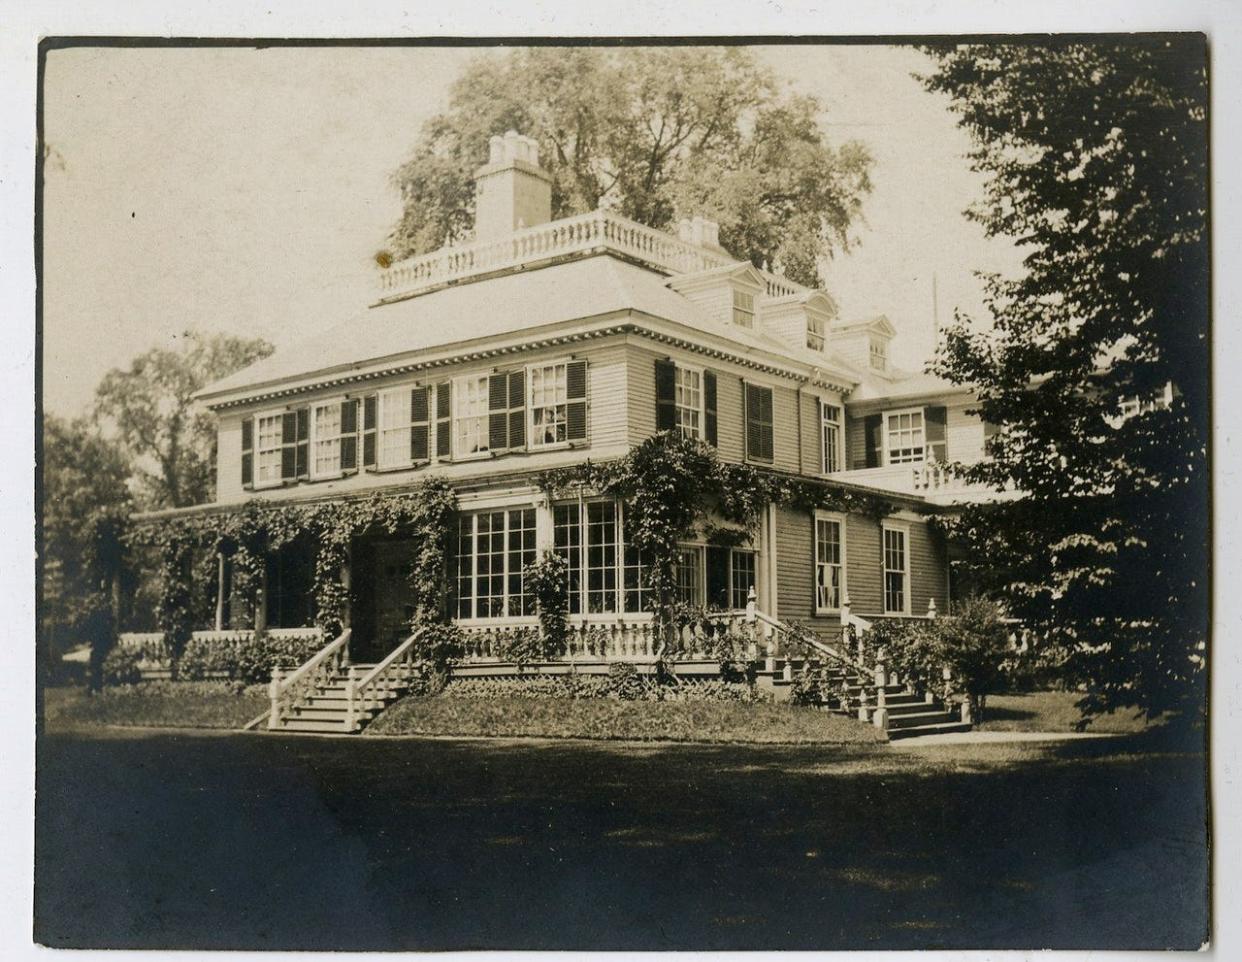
[[512, 190]]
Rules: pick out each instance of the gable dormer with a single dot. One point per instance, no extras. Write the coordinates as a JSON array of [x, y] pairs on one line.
[[800, 320], [864, 343], [728, 294]]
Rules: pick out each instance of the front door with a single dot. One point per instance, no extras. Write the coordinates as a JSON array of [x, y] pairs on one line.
[[382, 598]]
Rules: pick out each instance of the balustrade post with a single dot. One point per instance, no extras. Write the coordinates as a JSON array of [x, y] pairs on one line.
[[351, 693], [273, 694], [863, 713], [751, 605], [931, 608], [966, 717]]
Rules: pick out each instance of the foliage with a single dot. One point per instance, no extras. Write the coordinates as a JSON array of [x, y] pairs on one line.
[[120, 667], [163, 704], [655, 134], [174, 609], [150, 406], [437, 649], [1095, 156], [247, 660], [548, 579], [622, 684]]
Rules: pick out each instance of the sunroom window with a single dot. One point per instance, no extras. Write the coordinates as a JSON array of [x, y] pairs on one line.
[[493, 550]]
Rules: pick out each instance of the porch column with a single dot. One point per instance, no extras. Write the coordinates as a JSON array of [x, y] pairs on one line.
[[767, 566], [545, 535], [260, 602], [222, 590]]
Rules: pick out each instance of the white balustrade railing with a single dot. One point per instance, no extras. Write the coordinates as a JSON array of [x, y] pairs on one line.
[[288, 691], [391, 676]]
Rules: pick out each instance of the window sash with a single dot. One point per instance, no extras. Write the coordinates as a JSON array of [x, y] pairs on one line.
[[878, 353], [548, 392], [743, 308], [606, 573], [896, 571], [690, 575], [815, 333], [829, 563], [741, 577], [688, 401], [471, 398], [268, 439], [394, 428], [830, 415], [326, 439], [494, 548], [905, 437]]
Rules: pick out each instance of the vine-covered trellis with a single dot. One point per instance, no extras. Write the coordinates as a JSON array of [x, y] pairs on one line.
[[423, 513]]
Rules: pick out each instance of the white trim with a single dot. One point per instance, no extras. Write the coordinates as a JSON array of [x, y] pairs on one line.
[[904, 528], [840, 520], [897, 412]]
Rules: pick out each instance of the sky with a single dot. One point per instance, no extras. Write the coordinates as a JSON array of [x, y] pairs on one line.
[[246, 191]]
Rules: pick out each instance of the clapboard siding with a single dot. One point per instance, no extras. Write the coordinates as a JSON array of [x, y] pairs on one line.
[[863, 564], [228, 459], [928, 572], [795, 565], [964, 435], [855, 443]]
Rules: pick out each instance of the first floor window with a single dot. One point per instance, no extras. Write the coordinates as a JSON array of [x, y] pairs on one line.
[[690, 575], [741, 577], [904, 438], [829, 563], [493, 550], [601, 557], [267, 450], [896, 571], [830, 415], [326, 419], [394, 428], [688, 400], [634, 578], [606, 574], [549, 404], [470, 409]]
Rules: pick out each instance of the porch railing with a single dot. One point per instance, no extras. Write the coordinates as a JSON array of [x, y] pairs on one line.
[[390, 676], [287, 692]]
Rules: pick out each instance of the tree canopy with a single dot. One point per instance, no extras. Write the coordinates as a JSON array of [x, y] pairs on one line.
[[654, 134], [150, 407], [1095, 156]]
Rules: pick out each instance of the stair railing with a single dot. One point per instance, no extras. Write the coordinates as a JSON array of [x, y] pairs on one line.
[[287, 692], [396, 671]]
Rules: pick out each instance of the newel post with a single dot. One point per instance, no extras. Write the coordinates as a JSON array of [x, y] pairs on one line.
[[351, 693], [881, 696], [750, 606], [931, 608], [273, 693], [845, 610]]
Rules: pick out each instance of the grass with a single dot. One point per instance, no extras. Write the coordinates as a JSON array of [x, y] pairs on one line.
[[158, 704], [1052, 711], [700, 721]]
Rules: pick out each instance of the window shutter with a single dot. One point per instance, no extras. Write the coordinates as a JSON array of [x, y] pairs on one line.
[[288, 446], [758, 422], [666, 394], [766, 426], [498, 413], [935, 420], [370, 416], [517, 410], [420, 424], [576, 393], [349, 435], [710, 421], [301, 458], [444, 424], [873, 427], [247, 454]]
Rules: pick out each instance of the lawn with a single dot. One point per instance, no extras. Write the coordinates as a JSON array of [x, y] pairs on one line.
[[158, 704], [1052, 711], [696, 721], [231, 840]]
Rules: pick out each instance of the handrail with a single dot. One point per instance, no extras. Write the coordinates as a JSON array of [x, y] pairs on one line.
[[316, 672], [359, 691]]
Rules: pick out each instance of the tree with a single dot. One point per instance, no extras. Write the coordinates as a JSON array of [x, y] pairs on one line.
[[151, 408], [1096, 162], [85, 501], [653, 133]]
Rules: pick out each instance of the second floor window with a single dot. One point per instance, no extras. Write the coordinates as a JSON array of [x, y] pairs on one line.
[[326, 447], [830, 415], [743, 308], [688, 399], [268, 449], [394, 428], [470, 416], [549, 404], [904, 441]]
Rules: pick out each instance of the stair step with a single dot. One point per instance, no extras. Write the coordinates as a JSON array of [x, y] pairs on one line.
[[912, 707], [915, 719], [310, 725], [945, 728]]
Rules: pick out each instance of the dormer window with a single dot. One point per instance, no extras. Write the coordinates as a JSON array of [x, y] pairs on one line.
[[743, 308], [879, 353], [815, 331]]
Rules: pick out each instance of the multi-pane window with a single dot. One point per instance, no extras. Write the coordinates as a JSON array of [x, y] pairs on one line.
[[904, 437], [879, 353], [741, 577], [493, 550], [815, 332], [690, 575], [605, 573], [268, 449], [829, 563], [394, 428], [688, 398], [896, 573], [326, 447], [830, 418], [601, 557], [743, 308], [567, 542], [549, 401], [634, 573], [470, 409]]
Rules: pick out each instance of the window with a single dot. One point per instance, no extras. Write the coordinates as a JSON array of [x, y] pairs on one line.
[[879, 353], [549, 404], [815, 332], [637, 594], [830, 427], [267, 453], [326, 429], [743, 308], [758, 422], [567, 542], [394, 428], [829, 561], [470, 416], [690, 575], [896, 573], [688, 400], [903, 434], [741, 577], [601, 557], [493, 550], [605, 574]]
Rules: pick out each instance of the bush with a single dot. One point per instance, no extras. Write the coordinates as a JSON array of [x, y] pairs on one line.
[[120, 667], [438, 647], [622, 683], [249, 660], [548, 580]]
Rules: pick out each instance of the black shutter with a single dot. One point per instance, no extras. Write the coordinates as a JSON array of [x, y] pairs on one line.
[[420, 425], [873, 426], [498, 413], [766, 425], [666, 394], [301, 458], [710, 421], [349, 435], [444, 424], [576, 394], [935, 422], [370, 418], [288, 446], [247, 455], [758, 422], [517, 410]]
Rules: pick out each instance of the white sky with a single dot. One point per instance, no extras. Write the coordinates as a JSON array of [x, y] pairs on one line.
[[246, 191]]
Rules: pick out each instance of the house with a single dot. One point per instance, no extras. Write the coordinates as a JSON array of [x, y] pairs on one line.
[[545, 343]]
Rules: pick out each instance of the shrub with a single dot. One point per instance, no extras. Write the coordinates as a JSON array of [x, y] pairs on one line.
[[548, 580], [622, 683], [120, 667], [249, 660], [438, 647]]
